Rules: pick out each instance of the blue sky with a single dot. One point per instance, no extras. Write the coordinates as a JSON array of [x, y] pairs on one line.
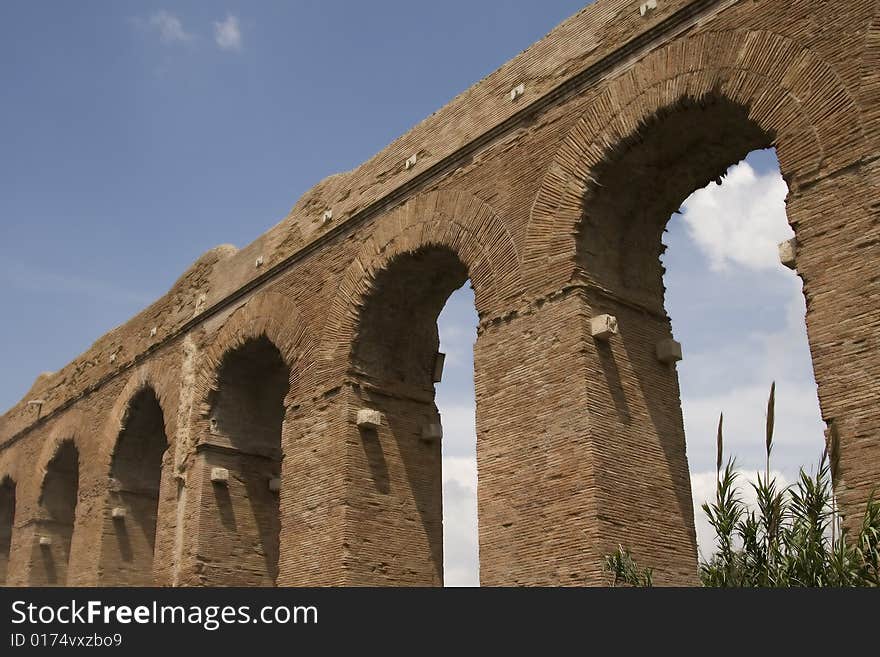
[[136, 136]]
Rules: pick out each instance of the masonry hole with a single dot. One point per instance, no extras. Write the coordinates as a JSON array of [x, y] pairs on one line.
[[741, 316], [456, 401], [407, 472], [135, 478], [247, 413], [735, 310], [7, 521], [58, 501]]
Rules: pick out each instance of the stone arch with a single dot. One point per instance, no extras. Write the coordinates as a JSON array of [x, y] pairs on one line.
[[58, 501], [667, 126], [166, 395], [380, 335], [268, 314], [457, 221], [793, 96], [251, 375], [69, 428], [139, 426]]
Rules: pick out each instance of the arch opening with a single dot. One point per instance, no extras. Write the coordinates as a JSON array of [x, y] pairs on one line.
[[135, 479], [646, 178], [397, 362], [57, 518], [246, 419], [398, 340], [645, 181], [741, 315], [7, 522]]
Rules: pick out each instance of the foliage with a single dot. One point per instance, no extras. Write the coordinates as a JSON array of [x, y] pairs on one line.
[[795, 538], [623, 570]]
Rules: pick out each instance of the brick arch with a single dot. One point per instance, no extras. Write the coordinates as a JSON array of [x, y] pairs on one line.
[[67, 561], [145, 377], [135, 469], [69, 428], [794, 96], [275, 318], [457, 220], [269, 314]]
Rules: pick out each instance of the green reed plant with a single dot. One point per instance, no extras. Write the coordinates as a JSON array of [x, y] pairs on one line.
[[622, 570], [795, 537]]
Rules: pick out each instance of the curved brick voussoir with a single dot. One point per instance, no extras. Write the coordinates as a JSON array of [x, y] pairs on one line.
[[786, 89], [145, 378], [448, 219], [268, 314]]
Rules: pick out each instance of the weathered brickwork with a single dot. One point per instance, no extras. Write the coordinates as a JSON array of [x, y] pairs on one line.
[[215, 439]]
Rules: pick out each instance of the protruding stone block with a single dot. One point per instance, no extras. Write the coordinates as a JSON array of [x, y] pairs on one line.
[[328, 216], [220, 476], [647, 7], [668, 351], [603, 327], [411, 162], [439, 362], [118, 513], [275, 484], [432, 432], [259, 261], [788, 253], [153, 331], [517, 91], [45, 541], [367, 418]]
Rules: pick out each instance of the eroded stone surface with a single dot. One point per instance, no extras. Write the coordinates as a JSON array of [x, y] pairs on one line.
[[552, 203]]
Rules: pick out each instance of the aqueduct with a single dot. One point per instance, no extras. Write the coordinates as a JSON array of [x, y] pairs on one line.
[[271, 419]]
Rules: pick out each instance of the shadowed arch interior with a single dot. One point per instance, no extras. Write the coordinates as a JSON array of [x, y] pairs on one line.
[[135, 479], [7, 522], [57, 516], [246, 418], [628, 202], [646, 178], [395, 359], [397, 337]]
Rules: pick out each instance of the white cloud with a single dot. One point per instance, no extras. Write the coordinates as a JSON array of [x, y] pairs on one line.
[[741, 221], [460, 544], [462, 470], [169, 27], [781, 356], [459, 428], [798, 431], [227, 33]]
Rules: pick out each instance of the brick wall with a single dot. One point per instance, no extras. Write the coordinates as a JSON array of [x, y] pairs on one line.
[[552, 205]]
